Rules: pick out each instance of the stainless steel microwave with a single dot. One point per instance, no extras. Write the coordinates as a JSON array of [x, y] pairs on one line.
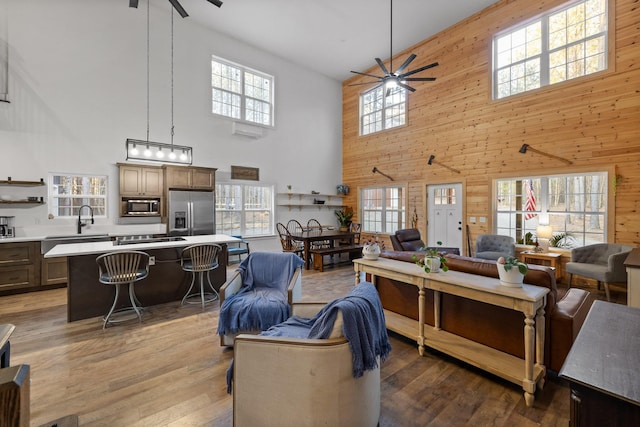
[[142, 207]]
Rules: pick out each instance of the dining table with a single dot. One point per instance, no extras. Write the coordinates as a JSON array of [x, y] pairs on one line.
[[315, 235]]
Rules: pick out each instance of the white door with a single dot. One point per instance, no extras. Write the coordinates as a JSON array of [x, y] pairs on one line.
[[444, 215]]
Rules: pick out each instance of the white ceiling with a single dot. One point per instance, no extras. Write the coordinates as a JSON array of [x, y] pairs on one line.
[[332, 37]]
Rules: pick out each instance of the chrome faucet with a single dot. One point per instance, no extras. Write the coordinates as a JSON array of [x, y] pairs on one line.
[[80, 224]]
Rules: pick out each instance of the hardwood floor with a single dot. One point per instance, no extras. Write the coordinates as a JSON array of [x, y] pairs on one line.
[[170, 370]]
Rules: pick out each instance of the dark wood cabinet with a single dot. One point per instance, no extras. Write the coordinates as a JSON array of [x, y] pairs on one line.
[[190, 178], [602, 368], [137, 180], [19, 265], [54, 271]]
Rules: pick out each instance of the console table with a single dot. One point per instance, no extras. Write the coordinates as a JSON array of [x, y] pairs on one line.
[[530, 300], [602, 368]]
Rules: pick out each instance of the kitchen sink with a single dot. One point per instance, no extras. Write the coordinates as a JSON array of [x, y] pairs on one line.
[[50, 242]]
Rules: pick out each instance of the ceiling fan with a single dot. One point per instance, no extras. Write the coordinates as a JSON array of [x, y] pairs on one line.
[[399, 77], [177, 6]]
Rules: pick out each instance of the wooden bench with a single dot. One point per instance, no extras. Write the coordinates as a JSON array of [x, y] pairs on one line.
[[319, 253]]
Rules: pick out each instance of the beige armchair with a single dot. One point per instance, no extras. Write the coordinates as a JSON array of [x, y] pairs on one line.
[[279, 381], [603, 262], [261, 285]]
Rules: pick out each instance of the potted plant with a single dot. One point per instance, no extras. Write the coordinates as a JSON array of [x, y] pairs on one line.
[[344, 218], [432, 262], [511, 271], [372, 249]]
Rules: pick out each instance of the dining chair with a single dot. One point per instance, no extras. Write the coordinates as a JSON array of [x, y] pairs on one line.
[[288, 244], [294, 226], [314, 226]]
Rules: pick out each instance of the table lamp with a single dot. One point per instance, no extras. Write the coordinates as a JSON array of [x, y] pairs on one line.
[[544, 233]]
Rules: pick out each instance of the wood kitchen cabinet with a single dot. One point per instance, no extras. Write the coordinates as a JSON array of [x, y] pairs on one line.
[[54, 271], [19, 265], [190, 177], [138, 180]]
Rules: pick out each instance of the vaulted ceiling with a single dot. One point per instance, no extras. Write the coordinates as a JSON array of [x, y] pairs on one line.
[[331, 37]]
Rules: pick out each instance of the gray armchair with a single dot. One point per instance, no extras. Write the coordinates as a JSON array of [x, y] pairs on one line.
[[494, 246], [603, 262]]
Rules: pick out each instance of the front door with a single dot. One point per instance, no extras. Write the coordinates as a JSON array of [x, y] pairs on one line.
[[444, 215]]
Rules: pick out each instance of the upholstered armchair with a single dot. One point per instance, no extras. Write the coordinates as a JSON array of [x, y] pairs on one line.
[[494, 246], [285, 381], [259, 294], [407, 239], [603, 262]]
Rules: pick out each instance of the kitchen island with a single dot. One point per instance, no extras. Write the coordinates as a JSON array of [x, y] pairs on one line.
[[167, 282]]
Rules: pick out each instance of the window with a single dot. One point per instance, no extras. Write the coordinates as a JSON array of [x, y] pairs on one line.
[[241, 93], [382, 108], [383, 209], [67, 193], [565, 44], [574, 205], [244, 209]]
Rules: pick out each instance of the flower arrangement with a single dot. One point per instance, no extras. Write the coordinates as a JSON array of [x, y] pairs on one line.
[[510, 262], [427, 262]]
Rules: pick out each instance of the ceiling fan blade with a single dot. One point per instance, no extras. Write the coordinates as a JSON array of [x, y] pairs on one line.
[[384, 69], [407, 87], [366, 74], [178, 7], [405, 64], [133, 3], [215, 2], [417, 70], [420, 79]]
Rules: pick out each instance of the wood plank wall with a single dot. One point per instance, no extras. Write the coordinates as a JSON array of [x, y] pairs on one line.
[[593, 121]]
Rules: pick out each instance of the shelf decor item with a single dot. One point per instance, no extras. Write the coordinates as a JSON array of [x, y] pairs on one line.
[[511, 271], [372, 249], [343, 189], [432, 262]]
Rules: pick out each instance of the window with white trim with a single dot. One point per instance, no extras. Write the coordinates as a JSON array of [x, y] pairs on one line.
[[244, 209], [382, 108], [563, 44], [241, 93], [383, 209], [68, 192], [575, 205]]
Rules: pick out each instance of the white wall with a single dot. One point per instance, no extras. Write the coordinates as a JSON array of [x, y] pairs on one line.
[[78, 78]]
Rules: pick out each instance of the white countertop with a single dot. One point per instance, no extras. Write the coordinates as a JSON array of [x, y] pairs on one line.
[[73, 249]]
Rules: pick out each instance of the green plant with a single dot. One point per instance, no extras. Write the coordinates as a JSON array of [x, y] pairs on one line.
[[344, 216], [431, 253], [527, 240], [511, 262]]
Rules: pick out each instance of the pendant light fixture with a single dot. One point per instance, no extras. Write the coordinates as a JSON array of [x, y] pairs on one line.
[[157, 151]]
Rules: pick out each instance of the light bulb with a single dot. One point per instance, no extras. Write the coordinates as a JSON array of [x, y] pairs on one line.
[[147, 152], [183, 156], [172, 155], [134, 150], [160, 154]]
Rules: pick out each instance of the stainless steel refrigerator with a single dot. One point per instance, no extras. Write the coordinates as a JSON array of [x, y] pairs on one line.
[[191, 213]]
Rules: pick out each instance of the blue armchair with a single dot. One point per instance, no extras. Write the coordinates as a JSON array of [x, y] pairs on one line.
[[494, 246], [259, 294]]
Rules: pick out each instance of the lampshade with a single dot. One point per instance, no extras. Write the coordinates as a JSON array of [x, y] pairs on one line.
[[158, 152], [544, 232]]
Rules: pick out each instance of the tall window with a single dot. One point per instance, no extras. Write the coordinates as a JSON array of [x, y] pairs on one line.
[[565, 44], [241, 93], [383, 209], [382, 109], [244, 209], [574, 205], [67, 193]]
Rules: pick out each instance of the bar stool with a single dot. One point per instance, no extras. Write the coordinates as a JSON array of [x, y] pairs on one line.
[[123, 268], [200, 259]]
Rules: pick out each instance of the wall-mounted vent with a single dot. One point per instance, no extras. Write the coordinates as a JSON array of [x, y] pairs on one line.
[[247, 130]]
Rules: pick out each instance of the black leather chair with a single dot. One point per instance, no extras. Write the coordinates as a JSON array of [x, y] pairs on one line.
[[409, 239]]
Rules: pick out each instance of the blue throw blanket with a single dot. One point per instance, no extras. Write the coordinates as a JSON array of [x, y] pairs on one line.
[[364, 326], [261, 302]]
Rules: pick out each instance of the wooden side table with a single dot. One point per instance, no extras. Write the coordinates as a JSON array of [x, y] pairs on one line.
[[548, 259]]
